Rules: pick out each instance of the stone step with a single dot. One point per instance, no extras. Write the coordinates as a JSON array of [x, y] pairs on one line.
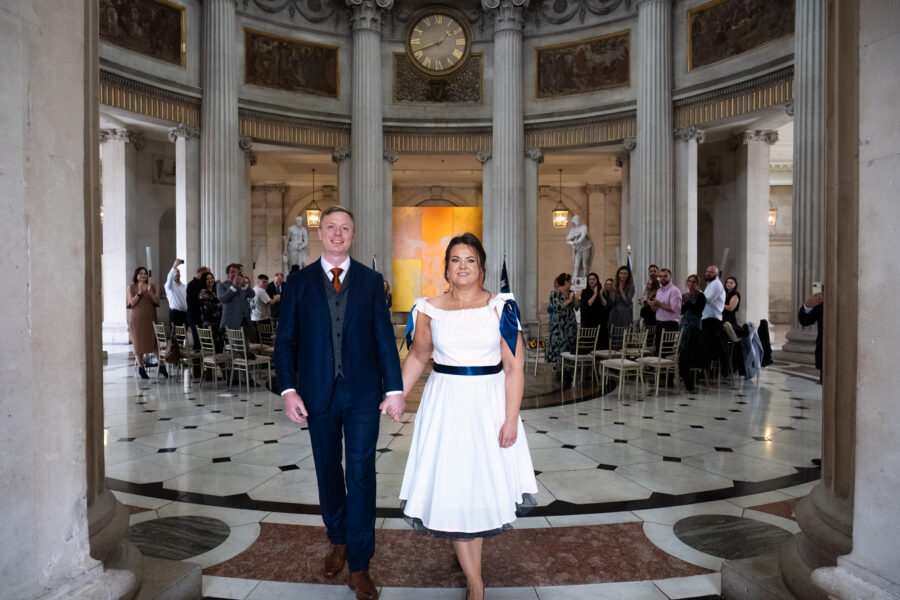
[[170, 580], [801, 358], [755, 578]]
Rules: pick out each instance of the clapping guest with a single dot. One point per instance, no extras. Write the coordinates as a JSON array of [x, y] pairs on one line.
[[563, 327], [211, 309], [691, 352], [594, 312], [622, 298], [142, 298]]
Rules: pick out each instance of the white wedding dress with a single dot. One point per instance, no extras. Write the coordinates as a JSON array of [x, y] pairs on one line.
[[459, 482]]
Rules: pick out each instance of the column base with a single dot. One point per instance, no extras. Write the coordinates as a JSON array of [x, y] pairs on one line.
[[755, 578], [799, 347], [850, 582]]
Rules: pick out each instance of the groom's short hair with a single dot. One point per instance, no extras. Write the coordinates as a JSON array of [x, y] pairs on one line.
[[336, 209]]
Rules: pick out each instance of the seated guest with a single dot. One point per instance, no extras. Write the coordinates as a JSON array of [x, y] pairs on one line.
[[692, 353]]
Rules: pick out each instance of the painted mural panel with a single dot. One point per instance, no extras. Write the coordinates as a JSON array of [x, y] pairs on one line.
[[154, 28], [291, 65], [724, 28], [420, 239], [583, 67]]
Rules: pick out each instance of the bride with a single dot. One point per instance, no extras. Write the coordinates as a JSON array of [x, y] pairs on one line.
[[469, 468]]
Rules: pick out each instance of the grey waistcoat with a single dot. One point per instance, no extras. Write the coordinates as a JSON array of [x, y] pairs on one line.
[[337, 306]]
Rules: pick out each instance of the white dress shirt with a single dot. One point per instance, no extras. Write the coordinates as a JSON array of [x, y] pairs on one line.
[[176, 293], [715, 300]]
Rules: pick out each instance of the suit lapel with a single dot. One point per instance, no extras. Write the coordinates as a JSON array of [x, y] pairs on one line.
[[352, 282]]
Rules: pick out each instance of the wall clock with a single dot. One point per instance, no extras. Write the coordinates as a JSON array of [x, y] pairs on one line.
[[438, 41]]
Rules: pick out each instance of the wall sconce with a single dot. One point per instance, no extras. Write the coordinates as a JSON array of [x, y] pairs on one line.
[[773, 216], [560, 213], [313, 214]]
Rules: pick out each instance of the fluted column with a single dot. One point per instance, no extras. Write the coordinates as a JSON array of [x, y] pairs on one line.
[[505, 206], [751, 239], [655, 203], [386, 254], [187, 197], [120, 258], [623, 161], [367, 192], [808, 212], [341, 157], [685, 260], [528, 301], [484, 158], [246, 256], [222, 227]]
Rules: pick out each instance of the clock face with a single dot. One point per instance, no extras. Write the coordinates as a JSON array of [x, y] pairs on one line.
[[438, 43]]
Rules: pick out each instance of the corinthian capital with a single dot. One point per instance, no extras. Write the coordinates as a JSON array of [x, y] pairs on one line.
[[391, 155], [368, 14], [508, 14], [128, 136], [339, 154], [246, 144], [767, 136], [535, 154], [483, 156], [183, 131], [687, 134]]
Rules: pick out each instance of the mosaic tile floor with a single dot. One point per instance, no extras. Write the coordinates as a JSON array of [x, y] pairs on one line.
[[638, 498]]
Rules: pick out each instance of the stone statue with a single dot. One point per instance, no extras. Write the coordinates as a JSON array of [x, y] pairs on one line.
[[296, 245], [582, 249]]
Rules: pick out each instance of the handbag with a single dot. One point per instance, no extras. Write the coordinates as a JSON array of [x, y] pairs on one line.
[[173, 353]]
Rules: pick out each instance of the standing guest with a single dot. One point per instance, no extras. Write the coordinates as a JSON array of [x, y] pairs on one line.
[[691, 351], [335, 357], [594, 312], [261, 304], [648, 315], [210, 310], [563, 327], [713, 334], [176, 293], [274, 289], [469, 468], [142, 298], [732, 302], [193, 305], [622, 297], [666, 305], [812, 312], [234, 294]]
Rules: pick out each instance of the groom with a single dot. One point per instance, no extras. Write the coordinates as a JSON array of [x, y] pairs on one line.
[[335, 356]]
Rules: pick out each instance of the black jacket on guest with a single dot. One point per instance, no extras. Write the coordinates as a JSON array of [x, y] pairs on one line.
[[808, 318]]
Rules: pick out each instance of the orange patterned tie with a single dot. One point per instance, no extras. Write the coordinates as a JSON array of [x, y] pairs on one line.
[[336, 281]]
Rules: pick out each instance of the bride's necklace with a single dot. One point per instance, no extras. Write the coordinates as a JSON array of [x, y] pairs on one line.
[[462, 303]]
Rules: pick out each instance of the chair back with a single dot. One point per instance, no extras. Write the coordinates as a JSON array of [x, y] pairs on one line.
[[636, 325], [266, 333], [633, 344], [207, 342], [238, 342], [668, 344], [586, 340], [179, 332], [616, 335], [159, 330]]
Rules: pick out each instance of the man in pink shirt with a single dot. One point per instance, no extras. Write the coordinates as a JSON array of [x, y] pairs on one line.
[[667, 304]]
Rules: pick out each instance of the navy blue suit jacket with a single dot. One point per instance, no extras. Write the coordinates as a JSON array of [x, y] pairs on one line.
[[304, 358]]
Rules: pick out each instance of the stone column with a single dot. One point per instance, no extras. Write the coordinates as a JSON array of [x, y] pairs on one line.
[[808, 218], [367, 196], [386, 253], [655, 230], [341, 157], [751, 243], [623, 161], [484, 157], [187, 197], [120, 256], [223, 228], [529, 301], [686, 141], [246, 254], [505, 208]]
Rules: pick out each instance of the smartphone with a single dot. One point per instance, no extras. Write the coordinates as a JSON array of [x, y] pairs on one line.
[[817, 287]]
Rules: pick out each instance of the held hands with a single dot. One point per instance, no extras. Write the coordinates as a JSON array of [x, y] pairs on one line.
[[393, 406], [508, 433], [814, 300], [294, 408]]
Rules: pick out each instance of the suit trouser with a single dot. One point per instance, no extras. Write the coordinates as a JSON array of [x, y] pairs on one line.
[[348, 503], [714, 335]]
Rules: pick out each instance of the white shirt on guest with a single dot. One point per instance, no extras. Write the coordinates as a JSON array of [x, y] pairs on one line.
[[176, 293], [715, 299], [260, 309]]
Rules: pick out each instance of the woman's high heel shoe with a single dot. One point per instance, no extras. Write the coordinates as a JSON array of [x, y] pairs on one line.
[[143, 373], [163, 371]]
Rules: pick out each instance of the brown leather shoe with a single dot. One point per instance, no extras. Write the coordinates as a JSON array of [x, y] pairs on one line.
[[362, 583], [334, 561]]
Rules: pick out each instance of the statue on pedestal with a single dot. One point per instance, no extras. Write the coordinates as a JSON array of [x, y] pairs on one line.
[[296, 245], [582, 252]]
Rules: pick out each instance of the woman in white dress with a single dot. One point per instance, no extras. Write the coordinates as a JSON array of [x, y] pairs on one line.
[[469, 468]]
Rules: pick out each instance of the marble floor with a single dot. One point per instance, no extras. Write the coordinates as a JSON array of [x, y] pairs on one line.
[[642, 498]]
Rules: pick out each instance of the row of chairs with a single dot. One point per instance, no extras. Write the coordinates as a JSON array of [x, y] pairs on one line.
[[238, 355]]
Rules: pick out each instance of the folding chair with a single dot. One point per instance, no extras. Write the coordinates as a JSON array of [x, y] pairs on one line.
[[210, 360], [666, 360], [585, 345], [620, 368], [241, 361]]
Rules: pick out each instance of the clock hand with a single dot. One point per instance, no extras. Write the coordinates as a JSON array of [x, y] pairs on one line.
[[434, 43]]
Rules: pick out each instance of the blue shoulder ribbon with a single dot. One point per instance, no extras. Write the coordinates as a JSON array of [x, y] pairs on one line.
[[410, 325], [509, 324]]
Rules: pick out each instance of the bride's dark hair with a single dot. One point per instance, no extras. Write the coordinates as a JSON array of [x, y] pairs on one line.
[[471, 240]]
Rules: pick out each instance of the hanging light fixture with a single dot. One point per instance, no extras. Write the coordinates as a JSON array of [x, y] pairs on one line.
[[560, 213], [313, 214], [773, 216]]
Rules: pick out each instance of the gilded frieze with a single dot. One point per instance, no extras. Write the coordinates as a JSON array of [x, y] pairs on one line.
[[291, 65], [582, 67]]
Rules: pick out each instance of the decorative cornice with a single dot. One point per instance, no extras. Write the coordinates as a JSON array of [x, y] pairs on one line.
[[274, 187], [557, 14], [391, 155], [183, 131], [127, 136], [483, 156], [599, 129], [368, 14], [693, 132], [292, 131], [509, 15], [767, 136], [535, 154], [339, 154], [462, 140], [312, 12], [592, 188], [143, 99]]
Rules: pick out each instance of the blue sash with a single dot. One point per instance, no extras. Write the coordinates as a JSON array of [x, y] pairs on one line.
[[448, 370]]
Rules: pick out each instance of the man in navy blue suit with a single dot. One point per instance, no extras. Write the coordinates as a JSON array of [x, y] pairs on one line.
[[336, 358]]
